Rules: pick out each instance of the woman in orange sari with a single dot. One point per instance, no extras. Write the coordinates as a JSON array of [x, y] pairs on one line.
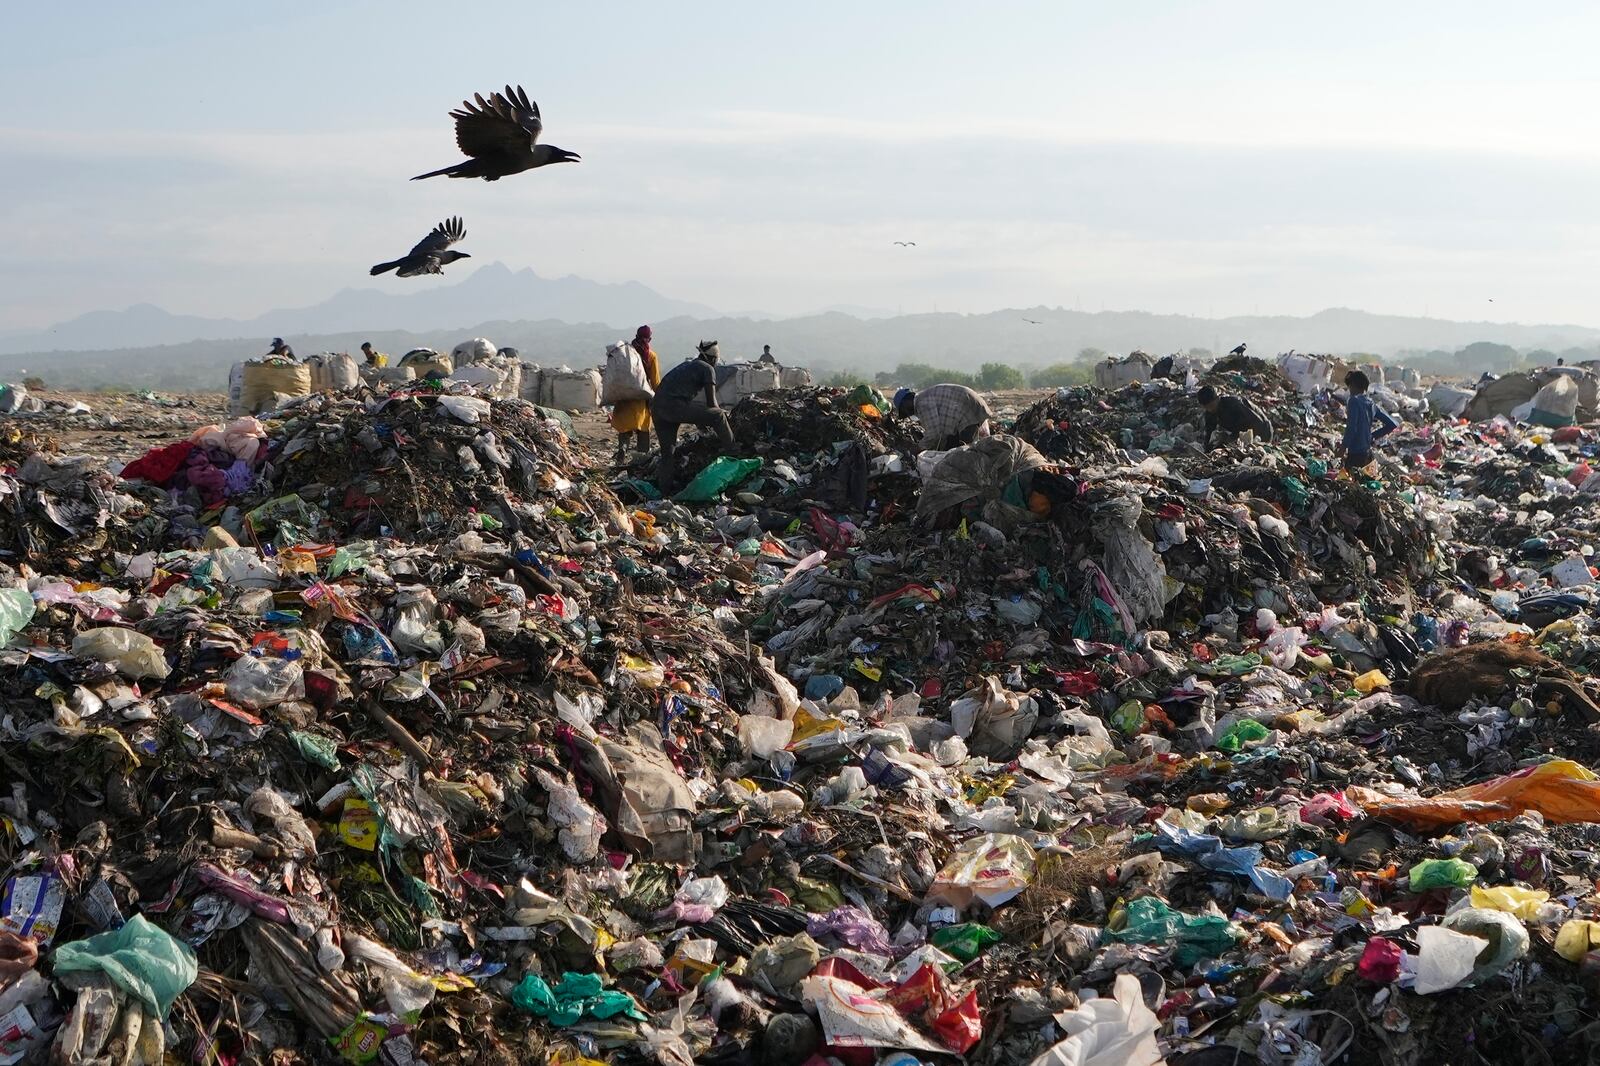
[[633, 416]]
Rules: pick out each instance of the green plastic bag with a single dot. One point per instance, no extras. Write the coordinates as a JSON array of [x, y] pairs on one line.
[[141, 959], [719, 475], [1129, 718], [1442, 873], [575, 995], [1242, 733], [1147, 920], [316, 749], [1299, 495], [16, 611], [965, 941]]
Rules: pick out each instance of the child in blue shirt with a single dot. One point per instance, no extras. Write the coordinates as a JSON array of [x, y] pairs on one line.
[[1360, 413]]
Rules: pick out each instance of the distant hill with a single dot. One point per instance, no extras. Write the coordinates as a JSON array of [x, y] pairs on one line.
[[490, 292], [824, 342]]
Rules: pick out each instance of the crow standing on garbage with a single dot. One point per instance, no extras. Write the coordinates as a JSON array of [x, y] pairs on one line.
[[501, 134], [430, 254], [1238, 351]]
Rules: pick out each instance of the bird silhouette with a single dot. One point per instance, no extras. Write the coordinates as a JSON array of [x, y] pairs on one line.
[[430, 254], [1239, 350], [501, 134], [906, 244], [1032, 321]]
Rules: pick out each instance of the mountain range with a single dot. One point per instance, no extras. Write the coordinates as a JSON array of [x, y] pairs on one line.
[[492, 291], [570, 320]]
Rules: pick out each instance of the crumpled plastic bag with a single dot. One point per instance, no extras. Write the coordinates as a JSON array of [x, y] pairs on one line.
[[1523, 903], [855, 927], [1147, 920], [1505, 937], [1120, 1031], [1210, 853], [1283, 647], [717, 477], [993, 721], [575, 995], [143, 960], [134, 654], [1561, 790], [697, 900], [1576, 938], [468, 409], [993, 868], [259, 682], [1442, 873], [16, 611], [581, 826], [1445, 958]]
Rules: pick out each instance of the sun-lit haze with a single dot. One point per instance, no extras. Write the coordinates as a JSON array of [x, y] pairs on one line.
[[1197, 158]]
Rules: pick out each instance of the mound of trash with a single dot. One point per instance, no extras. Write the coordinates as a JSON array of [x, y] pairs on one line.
[[380, 729]]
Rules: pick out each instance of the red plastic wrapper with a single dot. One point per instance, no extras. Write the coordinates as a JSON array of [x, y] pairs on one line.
[[1380, 962], [920, 994], [961, 1026]]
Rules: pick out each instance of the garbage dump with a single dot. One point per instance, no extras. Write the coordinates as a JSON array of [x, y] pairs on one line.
[[391, 725]]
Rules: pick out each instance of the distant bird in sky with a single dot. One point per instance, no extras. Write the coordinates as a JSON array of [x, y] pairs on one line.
[[1032, 321], [501, 134], [1491, 299], [906, 244], [430, 254], [1239, 350]]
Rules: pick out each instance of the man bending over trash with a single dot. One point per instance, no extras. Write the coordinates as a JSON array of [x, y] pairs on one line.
[[1233, 415], [674, 405], [950, 415], [1360, 413]]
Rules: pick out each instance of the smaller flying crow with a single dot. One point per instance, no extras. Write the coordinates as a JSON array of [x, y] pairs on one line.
[[431, 252]]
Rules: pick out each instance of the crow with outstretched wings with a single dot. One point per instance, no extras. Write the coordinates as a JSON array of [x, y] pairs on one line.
[[501, 135], [431, 253]]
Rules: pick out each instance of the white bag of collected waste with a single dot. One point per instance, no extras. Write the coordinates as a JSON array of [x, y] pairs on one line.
[[263, 385], [1447, 401], [794, 377], [476, 350], [333, 372], [425, 361], [571, 390], [624, 377], [1308, 372], [736, 382], [1556, 403]]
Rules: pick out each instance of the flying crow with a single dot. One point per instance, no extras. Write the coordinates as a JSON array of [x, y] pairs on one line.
[[906, 244], [501, 134], [430, 253], [1032, 321]]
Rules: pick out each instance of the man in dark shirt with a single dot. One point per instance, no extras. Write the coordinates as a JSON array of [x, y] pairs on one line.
[[280, 349], [1232, 414], [674, 406]]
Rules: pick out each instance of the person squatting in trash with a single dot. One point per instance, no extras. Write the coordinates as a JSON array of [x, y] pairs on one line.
[[376, 360], [1359, 414], [950, 415], [675, 406], [1233, 415], [633, 416]]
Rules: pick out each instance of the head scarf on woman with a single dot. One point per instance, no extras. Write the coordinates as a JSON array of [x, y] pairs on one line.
[[641, 340]]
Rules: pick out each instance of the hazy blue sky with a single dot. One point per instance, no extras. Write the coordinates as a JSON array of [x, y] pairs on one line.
[[1193, 157]]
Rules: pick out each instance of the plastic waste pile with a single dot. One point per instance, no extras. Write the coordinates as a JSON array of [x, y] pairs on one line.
[[426, 742]]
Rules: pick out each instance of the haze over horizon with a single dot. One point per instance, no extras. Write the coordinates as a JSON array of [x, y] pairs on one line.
[[1196, 159]]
